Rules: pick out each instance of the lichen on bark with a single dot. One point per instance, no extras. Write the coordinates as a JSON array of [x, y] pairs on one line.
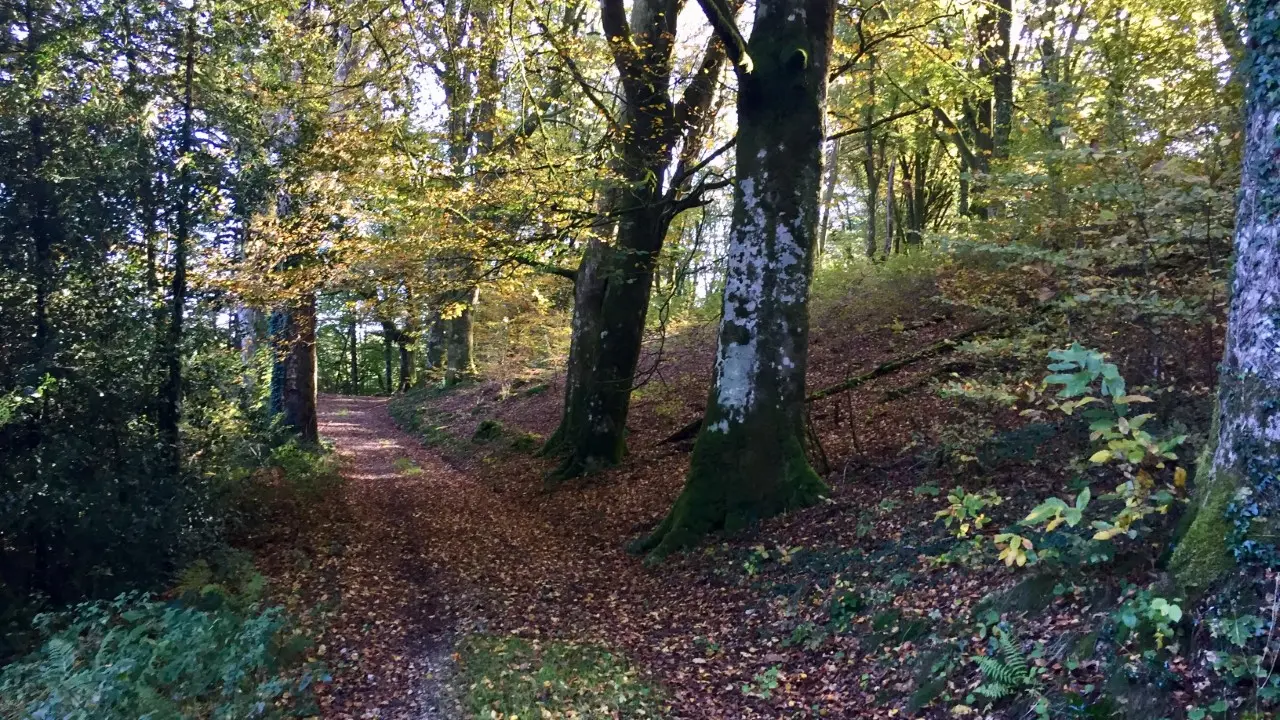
[[749, 461], [1245, 454]]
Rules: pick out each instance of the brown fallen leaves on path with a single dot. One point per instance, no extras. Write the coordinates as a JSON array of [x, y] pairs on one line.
[[425, 554]]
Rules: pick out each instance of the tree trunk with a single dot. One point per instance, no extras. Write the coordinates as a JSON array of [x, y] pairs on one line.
[[354, 342], [592, 432], [41, 198], [749, 460], [170, 406], [460, 341], [387, 341], [435, 342], [1246, 456], [299, 391], [588, 298], [598, 434], [889, 208], [408, 364], [869, 159], [828, 193]]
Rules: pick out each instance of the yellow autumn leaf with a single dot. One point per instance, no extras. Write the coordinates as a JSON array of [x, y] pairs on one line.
[[1180, 478], [1100, 457], [1107, 534]]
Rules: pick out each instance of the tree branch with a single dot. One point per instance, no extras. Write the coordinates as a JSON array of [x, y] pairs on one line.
[[720, 16], [548, 268]]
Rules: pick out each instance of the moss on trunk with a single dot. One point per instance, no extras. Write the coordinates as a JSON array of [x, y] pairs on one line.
[[735, 480], [460, 340]]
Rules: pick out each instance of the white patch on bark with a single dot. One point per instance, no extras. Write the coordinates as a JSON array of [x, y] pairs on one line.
[[739, 362], [1253, 331]]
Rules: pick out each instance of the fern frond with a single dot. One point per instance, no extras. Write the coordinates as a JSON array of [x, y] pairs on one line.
[[1012, 657], [993, 690], [996, 672]]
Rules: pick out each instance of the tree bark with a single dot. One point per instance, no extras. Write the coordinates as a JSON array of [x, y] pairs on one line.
[[889, 208], [436, 342], [615, 298], [588, 297], [1246, 455], [749, 460], [387, 342], [832, 167], [408, 362], [170, 406], [869, 159], [353, 341], [460, 340], [299, 391]]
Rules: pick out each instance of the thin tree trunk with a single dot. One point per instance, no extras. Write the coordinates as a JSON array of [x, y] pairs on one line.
[[749, 460], [386, 360], [869, 160], [170, 406], [353, 340], [42, 215], [888, 208], [828, 192], [1247, 422]]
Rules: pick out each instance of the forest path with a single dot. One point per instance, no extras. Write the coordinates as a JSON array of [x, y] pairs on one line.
[[432, 554]]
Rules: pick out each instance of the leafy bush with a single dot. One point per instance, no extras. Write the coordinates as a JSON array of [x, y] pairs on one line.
[[136, 657]]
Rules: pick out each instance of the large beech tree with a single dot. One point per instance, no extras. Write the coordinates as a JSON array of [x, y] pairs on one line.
[[615, 279], [1245, 454], [749, 460]]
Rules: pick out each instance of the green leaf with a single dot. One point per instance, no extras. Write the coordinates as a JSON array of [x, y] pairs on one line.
[[1082, 500]]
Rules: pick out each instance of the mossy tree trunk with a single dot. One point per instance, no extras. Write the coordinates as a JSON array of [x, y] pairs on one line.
[[1246, 457], [435, 342], [749, 460], [460, 339], [615, 281], [588, 299], [293, 374]]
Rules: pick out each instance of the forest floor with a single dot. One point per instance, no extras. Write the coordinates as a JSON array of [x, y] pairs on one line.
[[864, 606]]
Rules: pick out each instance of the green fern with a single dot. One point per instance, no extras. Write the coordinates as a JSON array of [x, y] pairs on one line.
[[1007, 672]]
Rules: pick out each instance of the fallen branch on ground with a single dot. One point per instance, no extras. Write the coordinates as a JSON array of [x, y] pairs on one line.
[[941, 347]]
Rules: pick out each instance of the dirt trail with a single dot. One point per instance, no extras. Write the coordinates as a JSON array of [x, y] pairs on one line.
[[432, 554]]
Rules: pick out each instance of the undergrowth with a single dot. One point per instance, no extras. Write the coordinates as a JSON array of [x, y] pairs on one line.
[[507, 677], [210, 646]]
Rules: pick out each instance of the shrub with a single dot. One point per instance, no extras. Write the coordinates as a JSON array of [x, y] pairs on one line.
[[137, 657]]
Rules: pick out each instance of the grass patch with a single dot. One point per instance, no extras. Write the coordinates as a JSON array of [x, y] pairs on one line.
[[406, 466], [526, 442], [488, 430], [511, 677]]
